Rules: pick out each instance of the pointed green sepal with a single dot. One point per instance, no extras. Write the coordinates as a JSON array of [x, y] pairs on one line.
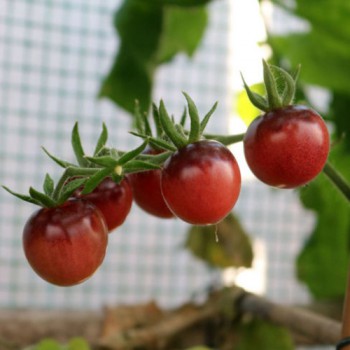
[[58, 161], [102, 140], [156, 119], [126, 157], [157, 158], [96, 179], [195, 128], [78, 148], [273, 97], [183, 119], [23, 197], [155, 143], [288, 83], [49, 185], [104, 161], [161, 144], [70, 188], [169, 127], [42, 198], [280, 88], [207, 117], [257, 100]]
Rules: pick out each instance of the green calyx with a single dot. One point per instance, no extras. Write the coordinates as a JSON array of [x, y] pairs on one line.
[[280, 88], [170, 135], [176, 133], [89, 171]]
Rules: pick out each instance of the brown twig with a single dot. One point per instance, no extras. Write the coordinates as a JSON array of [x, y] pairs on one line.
[[310, 326], [345, 332], [316, 328], [24, 327]]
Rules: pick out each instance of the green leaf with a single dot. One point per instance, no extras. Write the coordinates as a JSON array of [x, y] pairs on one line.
[[101, 142], [49, 185], [150, 32], [139, 24], [259, 334], [325, 65], [183, 29], [323, 262], [96, 179], [233, 248], [78, 148], [339, 109]]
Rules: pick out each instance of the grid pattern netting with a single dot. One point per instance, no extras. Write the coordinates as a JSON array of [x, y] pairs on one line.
[[53, 56]]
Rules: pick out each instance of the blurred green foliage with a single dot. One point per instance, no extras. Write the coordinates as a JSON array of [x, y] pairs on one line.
[[51, 344], [323, 51], [223, 245], [151, 33]]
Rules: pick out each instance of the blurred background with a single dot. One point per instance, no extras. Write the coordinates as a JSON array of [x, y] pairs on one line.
[[57, 57]]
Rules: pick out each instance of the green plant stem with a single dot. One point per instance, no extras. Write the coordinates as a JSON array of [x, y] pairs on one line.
[[226, 140], [70, 172], [337, 180]]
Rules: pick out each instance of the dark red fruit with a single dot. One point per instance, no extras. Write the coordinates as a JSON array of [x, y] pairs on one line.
[[147, 192], [287, 147], [65, 245], [114, 200], [201, 182]]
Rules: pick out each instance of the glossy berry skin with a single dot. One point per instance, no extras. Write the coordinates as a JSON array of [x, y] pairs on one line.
[[287, 147], [114, 201], [201, 182], [147, 192], [66, 244]]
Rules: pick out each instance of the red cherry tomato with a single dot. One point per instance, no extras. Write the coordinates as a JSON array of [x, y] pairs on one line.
[[287, 147], [201, 182], [147, 192], [66, 244], [114, 201]]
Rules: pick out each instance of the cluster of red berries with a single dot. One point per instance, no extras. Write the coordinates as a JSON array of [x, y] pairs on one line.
[[183, 174]]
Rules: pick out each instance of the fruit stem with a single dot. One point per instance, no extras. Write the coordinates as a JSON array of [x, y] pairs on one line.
[[226, 139], [337, 179]]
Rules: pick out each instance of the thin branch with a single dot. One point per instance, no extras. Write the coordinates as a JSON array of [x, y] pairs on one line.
[[316, 328], [336, 178], [26, 327]]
